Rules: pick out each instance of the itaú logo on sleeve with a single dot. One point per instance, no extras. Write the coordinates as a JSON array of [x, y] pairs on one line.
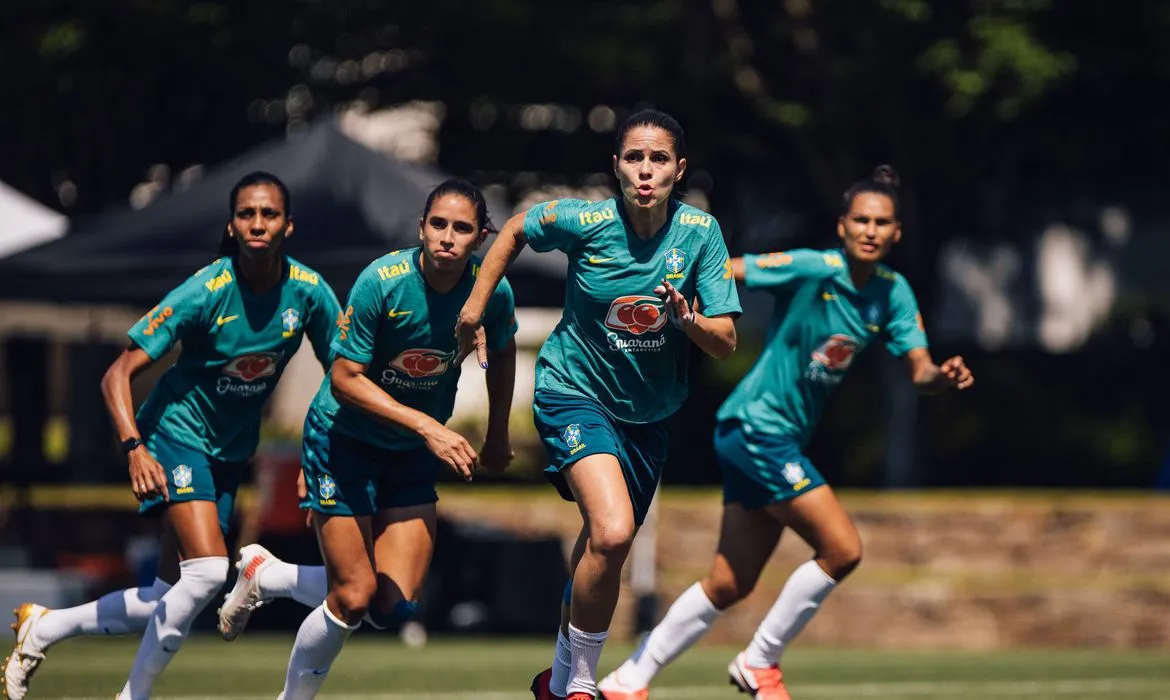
[[418, 364], [636, 315]]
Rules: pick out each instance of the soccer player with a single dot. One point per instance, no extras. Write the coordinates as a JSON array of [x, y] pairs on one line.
[[614, 368], [374, 439], [830, 305], [240, 319]]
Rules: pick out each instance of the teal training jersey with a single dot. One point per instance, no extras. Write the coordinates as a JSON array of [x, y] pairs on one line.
[[613, 343], [236, 344], [404, 333], [819, 324]]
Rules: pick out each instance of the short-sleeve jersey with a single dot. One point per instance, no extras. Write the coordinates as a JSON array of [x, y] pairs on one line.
[[235, 345], [819, 324], [614, 344], [404, 332]]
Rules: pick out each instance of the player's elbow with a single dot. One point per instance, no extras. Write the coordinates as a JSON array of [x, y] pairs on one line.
[[342, 383]]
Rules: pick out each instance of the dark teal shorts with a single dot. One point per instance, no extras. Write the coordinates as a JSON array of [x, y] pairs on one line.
[[758, 469], [573, 427], [346, 476], [193, 476]]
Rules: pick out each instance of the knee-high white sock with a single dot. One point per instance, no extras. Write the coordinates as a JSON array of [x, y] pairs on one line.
[[200, 580], [687, 620], [800, 599], [559, 681], [308, 585], [319, 641], [120, 612], [585, 648]]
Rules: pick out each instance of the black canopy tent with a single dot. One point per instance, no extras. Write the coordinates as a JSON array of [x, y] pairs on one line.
[[350, 205]]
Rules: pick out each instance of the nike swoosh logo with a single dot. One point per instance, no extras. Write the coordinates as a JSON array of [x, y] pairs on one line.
[[320, 671], [225, 319], [395, 313], [594, 260], [829, 297]]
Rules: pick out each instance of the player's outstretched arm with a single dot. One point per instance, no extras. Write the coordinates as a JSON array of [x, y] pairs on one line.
[[497, 453], [469, 328], [930, 378], [352, 387]]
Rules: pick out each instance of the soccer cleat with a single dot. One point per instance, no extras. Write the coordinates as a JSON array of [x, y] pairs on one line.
[[761, 683], [612, 688], [26, 655], [245, 594], [540, 689]]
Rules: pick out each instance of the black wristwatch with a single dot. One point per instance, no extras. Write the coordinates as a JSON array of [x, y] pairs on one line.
[[130, 444]]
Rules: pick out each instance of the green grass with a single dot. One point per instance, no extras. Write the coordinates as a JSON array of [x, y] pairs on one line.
[[373, 667]]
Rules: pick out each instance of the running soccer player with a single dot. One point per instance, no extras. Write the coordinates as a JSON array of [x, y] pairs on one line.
[[374, 439], [240, 319], [614, 368], [830, 306]]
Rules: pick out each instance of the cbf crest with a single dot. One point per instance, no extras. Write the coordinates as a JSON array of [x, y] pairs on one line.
[[290, 319], [182, 476], [327, 487], [676, 262], [572, 435]]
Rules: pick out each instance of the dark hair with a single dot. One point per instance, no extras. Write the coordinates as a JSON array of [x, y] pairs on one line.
[[228, 245], [884, 180], [652, 117], [467, 190]]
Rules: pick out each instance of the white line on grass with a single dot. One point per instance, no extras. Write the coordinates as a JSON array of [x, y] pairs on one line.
[[934, 689]]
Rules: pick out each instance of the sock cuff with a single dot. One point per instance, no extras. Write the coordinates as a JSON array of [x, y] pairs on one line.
[[594, 637], [204, 568], [829, 580], [335, 620], [709, 610]]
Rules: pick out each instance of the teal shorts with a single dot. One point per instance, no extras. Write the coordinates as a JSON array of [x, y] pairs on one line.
[[193, 476], [573, 427], [758, 469], [346, 476]]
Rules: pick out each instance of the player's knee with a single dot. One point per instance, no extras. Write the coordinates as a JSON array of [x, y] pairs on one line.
[[203, 577], [725, 591], [612, 539], [842, 558], [354, 596]]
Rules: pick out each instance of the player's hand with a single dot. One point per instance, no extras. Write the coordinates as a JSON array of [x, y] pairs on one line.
[[470, 334], [147, 477], [496, 454], [678, 309], [452, 449], [957, 373]]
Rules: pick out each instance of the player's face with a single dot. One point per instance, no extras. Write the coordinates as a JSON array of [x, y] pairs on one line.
[[449, 233], [260, 221], [869, 229], [648, 167]]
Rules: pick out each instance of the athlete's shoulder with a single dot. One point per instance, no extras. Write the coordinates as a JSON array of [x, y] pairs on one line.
[[303, 275], [582, 213], [214, 277], [889, 275], [393, 266], [694, 219]]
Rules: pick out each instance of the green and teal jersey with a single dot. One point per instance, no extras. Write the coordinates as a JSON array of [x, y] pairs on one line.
[[236, 344], [613, 343], [404, 333], [819, 324]]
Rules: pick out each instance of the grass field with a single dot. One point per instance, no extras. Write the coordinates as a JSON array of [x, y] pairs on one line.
[[373, 668]]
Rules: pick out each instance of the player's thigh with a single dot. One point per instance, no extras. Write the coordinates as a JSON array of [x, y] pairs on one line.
[[194, 527], [404, 542], [600, 490], [820, 519], [347, 548]]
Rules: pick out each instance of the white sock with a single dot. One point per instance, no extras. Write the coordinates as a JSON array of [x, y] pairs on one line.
[[585, 648], [120, 612], [563, 656], [319, 641], [308, 585], [800, 599], [688, 619], [200, 580]]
